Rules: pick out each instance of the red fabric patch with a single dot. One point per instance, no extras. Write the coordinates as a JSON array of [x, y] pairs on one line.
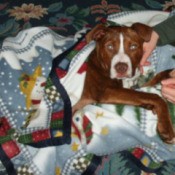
[[86, 121], [11, 149], [57, 115], [77, 132], [80, 45], [4, 126], [87, 128], [40, 135], [2, 131], [89, 133], [138, 152], [60, 73], [83, 68], [35, 102]]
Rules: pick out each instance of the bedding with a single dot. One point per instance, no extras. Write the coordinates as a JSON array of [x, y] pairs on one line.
[[42, 75]]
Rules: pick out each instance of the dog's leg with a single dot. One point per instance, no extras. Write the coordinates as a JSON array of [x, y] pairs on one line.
[[146, 100], [159, 77], [81, 103]]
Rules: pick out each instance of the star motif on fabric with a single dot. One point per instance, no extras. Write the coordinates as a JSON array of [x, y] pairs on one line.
[[104, 131], [74, 146], [74, 135], [99, 114], [57, 171], [59, 134]]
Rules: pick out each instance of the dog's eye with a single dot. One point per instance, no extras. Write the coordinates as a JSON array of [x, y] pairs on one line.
[[133, 47], [110, 46]]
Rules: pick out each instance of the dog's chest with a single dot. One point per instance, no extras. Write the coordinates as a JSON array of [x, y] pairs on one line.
[[139, 79], [131, 82]]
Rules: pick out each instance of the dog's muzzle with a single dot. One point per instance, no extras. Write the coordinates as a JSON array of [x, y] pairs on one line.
[[121, 67]]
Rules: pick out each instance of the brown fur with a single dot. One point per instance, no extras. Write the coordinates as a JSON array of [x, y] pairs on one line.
[[100, 88]]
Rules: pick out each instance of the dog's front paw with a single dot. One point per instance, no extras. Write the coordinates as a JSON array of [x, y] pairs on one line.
[[166, 132]]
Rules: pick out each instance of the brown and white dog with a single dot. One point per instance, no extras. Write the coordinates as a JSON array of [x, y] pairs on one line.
[[116, 58]]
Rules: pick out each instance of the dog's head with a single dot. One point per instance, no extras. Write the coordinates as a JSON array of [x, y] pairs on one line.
[[119, 48]]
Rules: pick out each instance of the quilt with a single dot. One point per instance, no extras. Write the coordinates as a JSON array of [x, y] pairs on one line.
[[41, 77]]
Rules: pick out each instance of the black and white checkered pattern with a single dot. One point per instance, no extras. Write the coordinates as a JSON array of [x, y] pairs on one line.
[[121, 14], [151, 151], [72, 163], [27, 156], [80, 164], [153, 59], [143, 120], [30, 44], [24, 170], [52, 93]]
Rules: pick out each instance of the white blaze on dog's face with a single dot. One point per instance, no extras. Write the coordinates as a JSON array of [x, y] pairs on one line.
[[121, 66]]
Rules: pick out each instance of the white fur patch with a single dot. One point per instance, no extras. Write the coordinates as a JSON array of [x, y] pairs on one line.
[[130, 82], [121, 56]]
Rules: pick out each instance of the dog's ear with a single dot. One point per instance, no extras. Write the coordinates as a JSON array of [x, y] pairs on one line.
[[143, 30], [96, 33]]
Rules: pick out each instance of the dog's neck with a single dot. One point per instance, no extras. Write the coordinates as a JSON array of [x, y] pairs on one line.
[[133, 81]]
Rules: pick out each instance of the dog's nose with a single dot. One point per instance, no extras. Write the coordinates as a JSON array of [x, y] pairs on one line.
[[121, 67]]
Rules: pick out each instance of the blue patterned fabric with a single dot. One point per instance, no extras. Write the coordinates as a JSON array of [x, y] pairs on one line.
[[94, 146]]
